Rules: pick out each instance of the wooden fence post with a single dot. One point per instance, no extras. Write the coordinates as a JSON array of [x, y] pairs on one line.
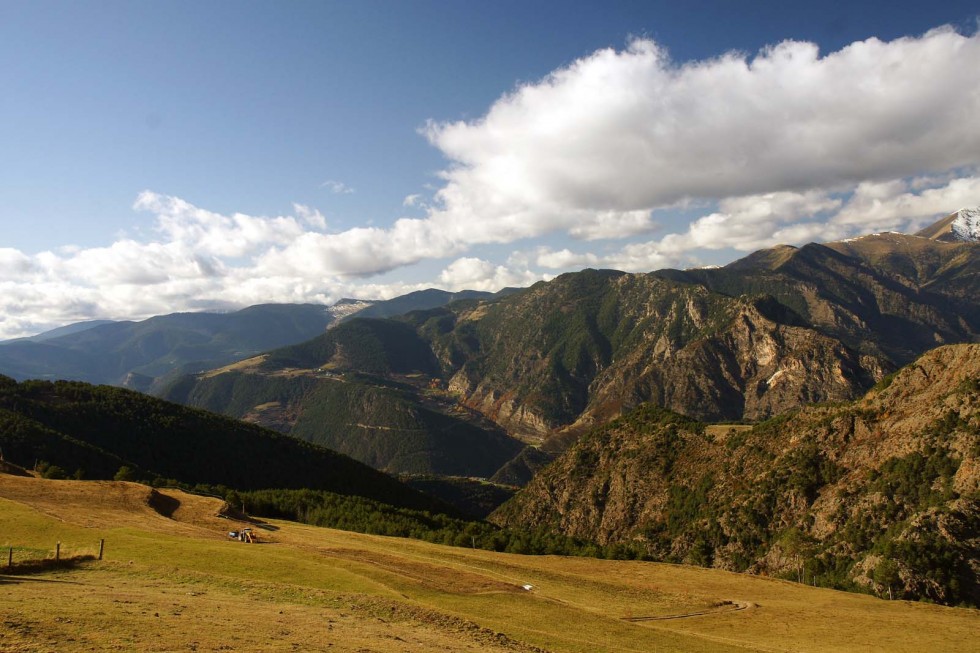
[[10, 558], [57, 551], [101, 547]]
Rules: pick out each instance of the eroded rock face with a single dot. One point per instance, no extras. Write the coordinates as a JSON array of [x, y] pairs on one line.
[[751, 370], [776, 330], [895, 475], [586, 347]]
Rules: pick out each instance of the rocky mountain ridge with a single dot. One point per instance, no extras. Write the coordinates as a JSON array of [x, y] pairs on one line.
[[769, 332], [766, 334], [584, 347]]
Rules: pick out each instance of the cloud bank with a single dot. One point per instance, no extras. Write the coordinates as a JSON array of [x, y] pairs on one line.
[[783, 146], [622, 132]]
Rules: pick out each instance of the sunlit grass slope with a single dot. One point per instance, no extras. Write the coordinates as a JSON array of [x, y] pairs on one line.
[[171, 580]]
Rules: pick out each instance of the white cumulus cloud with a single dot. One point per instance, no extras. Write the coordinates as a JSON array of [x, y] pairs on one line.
[[469, 273], [618, 133], [894, 204], [754, 222]]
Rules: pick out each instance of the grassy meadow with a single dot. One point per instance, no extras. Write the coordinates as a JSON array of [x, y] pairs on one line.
[[171, 580]]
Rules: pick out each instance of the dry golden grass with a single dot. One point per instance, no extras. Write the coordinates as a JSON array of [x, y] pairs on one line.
[[720, 432], [177, 583], [247, 365]]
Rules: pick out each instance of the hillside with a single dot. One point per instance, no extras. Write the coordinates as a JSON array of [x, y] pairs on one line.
[[317, 391], [178, 583], [371, 346], [882, 493], [421, 300], [886, 295], [383, 424], [94, 431]]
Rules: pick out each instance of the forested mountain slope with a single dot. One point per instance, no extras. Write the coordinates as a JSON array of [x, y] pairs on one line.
[[312, 392], [882, 492], [95, 430]]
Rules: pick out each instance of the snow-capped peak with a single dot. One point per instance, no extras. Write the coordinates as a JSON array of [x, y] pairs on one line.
[[966, 225]]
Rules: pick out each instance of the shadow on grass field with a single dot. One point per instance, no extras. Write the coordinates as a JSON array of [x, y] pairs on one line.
[[27, 567], [178, 583]]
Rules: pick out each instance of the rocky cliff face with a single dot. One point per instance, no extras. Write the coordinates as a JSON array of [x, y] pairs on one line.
[[888, 295], [882, 493], [751, 369], [587, 346]]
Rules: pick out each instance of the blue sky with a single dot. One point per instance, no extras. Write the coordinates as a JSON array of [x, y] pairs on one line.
[[171, 156]]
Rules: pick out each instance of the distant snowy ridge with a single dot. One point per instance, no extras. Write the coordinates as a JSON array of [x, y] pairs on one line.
[[966, 226]]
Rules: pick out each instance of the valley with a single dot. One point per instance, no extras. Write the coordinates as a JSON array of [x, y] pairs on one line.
[[517, 327], [788, 415]]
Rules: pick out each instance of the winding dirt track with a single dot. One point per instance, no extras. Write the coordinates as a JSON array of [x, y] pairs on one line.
[[734, 607]]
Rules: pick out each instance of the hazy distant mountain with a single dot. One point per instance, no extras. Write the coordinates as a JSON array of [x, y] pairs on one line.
[[60, 331], [138, 354], [145, 355], [424, 300]]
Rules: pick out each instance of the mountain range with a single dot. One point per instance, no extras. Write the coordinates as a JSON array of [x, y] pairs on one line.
[[363, 388], [146, 355], [778, 329], [138, 355]]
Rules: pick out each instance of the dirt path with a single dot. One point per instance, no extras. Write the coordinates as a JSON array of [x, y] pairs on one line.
[[734, 606]]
